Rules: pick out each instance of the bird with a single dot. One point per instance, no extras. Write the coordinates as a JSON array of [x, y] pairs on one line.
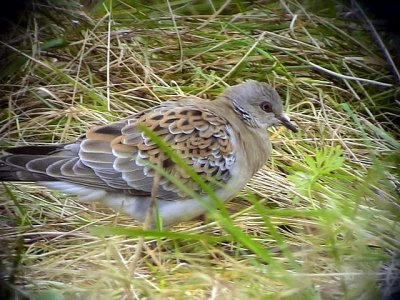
[[225, 141]]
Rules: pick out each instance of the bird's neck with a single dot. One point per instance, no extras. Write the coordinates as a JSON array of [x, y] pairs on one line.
[[260, 147], [233, 105]]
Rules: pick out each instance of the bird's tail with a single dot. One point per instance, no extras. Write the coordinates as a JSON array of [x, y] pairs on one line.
[[14, 166]]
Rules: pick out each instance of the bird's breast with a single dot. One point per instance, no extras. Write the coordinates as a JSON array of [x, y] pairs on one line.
[[252, 150]]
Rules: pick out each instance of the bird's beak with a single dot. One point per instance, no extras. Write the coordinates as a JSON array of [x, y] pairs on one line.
[[286, 122]]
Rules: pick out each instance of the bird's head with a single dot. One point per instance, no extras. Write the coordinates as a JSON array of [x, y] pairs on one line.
[[258, 104]]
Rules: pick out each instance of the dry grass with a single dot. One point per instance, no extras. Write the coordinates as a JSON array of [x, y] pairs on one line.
[[317, 222]]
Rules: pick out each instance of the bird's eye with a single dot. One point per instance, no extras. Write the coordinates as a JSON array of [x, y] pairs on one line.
[[266, 106]]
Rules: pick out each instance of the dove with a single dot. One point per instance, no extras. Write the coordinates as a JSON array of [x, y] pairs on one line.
[[225, 141]]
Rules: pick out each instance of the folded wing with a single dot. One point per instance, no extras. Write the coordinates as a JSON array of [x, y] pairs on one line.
[[116, 157]]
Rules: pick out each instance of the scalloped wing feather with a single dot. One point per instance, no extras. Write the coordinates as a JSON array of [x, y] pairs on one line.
[[198, 136]]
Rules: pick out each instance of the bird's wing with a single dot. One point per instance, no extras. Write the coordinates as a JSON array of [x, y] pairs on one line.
[[115, 156], [198, 136]]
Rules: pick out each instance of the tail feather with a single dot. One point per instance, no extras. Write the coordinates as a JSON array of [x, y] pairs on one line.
[[12, 173], [13, 166], [35, 150], [60, 163]]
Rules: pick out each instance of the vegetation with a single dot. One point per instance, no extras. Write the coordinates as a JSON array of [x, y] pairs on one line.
[[319, 221]]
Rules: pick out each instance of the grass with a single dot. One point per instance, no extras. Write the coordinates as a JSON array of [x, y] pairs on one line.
[[319, 221]]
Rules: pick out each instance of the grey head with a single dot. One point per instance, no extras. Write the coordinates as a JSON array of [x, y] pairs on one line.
[[258, 104]]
